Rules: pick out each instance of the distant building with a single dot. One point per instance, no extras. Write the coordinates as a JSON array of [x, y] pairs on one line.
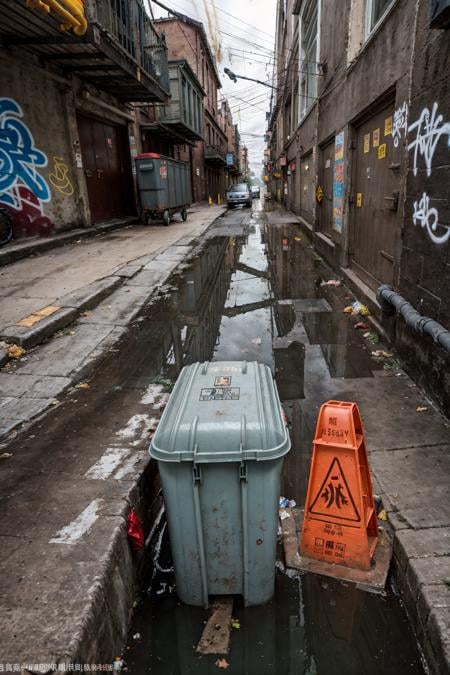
[[233, 143], [244, 163], [186, 40]]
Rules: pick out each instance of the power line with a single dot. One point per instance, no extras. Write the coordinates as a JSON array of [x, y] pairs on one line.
[[245, 23]]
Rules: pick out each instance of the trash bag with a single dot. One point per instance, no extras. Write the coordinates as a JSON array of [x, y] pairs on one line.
[[135, 531]]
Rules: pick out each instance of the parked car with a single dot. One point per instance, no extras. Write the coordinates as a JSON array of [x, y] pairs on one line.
[[256, 192], [239, 194]]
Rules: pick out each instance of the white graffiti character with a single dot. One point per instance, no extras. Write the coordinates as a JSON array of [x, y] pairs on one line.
[[427, 218], [429, 128], [399, 122]]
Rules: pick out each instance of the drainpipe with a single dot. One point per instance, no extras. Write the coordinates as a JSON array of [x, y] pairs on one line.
[[392, 302]]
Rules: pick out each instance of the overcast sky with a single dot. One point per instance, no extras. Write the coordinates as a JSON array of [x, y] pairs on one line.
[[244, 32]]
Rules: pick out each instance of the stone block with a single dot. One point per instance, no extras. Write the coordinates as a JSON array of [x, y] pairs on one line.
[[438, 630], [426, 572], [43, 329], [31, 386], [89, 296]]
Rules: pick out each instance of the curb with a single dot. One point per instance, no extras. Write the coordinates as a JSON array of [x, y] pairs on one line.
[[426, 601], [420, 562], [24, 249]]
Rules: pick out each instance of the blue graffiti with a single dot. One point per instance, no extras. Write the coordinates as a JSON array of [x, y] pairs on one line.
[[19, 157]]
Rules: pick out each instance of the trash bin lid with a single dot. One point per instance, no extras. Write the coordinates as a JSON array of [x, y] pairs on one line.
[[225, 411]]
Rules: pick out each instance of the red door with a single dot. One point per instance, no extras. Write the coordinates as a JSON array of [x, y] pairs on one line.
[[106, 170]]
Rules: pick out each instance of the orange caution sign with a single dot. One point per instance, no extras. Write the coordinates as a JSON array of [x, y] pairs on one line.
[[340, 523]]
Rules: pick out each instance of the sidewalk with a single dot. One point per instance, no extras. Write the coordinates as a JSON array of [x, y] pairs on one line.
[[101, 283]]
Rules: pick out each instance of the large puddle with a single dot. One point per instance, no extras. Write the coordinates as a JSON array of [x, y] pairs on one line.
[[260, 296]]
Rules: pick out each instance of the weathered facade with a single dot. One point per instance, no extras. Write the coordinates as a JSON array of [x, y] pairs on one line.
[[233, 143], [67, 131], [359, 149], [186, 39]]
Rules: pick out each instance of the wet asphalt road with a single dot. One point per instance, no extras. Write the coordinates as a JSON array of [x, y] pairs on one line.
[[244, 292], [247, 287]]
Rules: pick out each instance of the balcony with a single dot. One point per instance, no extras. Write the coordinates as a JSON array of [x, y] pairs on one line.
[[180, 120], [215, 154], [119, 53]]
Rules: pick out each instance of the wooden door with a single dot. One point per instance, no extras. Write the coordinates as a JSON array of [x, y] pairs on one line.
[[105, 169], [375, 201], [326, 173]]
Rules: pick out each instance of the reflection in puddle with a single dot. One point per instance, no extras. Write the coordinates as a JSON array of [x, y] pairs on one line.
[[314, 625], [236, 302]]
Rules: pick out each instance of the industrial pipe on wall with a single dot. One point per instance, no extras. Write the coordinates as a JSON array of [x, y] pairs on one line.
[[390, 302]]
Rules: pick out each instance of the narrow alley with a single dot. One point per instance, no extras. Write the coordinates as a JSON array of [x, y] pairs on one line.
[[237, 298], [225, 337]]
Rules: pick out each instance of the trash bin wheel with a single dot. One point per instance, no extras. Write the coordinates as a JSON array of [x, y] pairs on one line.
[[166, 218], [184, 215]]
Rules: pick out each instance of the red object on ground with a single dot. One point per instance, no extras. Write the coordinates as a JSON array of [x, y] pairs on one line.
[[135, 531]]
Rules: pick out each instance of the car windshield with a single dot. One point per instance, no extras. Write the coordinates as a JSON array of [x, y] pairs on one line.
[[239, 187]]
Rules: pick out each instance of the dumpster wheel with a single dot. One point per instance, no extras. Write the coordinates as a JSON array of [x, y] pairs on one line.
[[166, 218], [184, 215]]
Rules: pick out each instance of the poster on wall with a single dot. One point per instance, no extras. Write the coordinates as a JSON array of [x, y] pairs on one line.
[[338, 182]]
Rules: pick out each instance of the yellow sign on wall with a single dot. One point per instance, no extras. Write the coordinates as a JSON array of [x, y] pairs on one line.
[[319, 193], [388, 126], [359, 199], [376, 138], [382, 151], [366, 143]]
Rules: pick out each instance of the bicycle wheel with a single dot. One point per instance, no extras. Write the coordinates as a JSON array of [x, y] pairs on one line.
[[6, 230]]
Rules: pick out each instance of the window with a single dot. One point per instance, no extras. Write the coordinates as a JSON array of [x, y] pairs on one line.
[[308, 56], [375, 11], [287, 118]]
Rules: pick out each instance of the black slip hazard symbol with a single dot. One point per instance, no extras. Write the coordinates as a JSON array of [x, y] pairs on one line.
[[334, 498]]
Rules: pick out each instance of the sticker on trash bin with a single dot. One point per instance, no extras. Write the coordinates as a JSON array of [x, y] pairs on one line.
[[163, 171], [222, 381], [222, 394]]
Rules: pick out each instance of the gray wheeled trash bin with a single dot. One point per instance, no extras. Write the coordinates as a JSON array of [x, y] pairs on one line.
[[164, 186], [220, 445]]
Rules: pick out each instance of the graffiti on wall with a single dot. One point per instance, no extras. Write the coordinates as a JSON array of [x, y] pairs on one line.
[[426, 132], [428, 129], [60, 178], [399, 123], [23, 190], [427, 218]]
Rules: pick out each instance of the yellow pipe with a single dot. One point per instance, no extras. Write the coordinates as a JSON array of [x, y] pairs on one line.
[[73, 16], [77, 8]]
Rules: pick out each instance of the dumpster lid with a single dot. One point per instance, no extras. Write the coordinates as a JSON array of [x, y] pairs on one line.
[[225, 411], [148, 155]]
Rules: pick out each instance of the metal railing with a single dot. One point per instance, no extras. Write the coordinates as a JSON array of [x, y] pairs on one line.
[[214, 151], [127, 23]]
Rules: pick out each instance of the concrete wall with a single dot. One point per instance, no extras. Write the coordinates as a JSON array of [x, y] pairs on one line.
[[424, 276], [42, 183]]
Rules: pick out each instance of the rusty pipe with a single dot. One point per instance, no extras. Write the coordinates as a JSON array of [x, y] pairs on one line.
[[391, 302]]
